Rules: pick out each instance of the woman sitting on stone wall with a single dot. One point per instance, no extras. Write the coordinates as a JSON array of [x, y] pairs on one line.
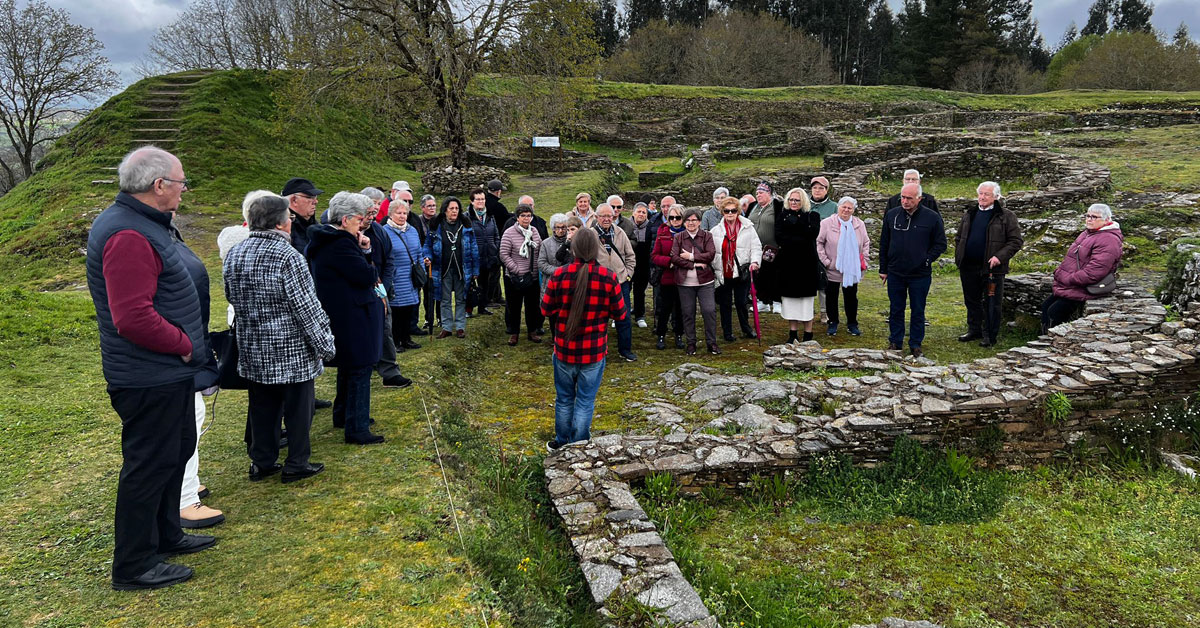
[[1087, 270]]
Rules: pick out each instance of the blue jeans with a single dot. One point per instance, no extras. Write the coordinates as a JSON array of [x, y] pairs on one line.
[[353, 400], [915, 289], [454, 317], [576, 386], [625, 327]]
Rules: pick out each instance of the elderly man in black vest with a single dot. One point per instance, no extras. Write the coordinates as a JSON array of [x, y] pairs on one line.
[[152, 344]]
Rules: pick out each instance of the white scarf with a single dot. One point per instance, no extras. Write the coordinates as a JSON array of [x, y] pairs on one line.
[[526, 246], [848, 262], [393, 224]]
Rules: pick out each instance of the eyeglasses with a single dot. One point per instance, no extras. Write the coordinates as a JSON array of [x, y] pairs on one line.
[[692, 219], [615, 206], [794, 200], [306, 196], [907, 224], [674, 217], [1092, 217], [184, 182]]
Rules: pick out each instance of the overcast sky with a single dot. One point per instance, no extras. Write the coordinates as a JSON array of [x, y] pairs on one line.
[[125, 26]]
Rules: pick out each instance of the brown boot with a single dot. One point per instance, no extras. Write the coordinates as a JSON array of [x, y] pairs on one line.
[[534, 337], [512, 340], [445, 334]]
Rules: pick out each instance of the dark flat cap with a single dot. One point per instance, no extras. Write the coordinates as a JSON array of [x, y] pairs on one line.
[[296, 185]]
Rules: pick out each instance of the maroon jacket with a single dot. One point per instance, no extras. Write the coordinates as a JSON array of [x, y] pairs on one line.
[[704, 250], [661, 254], [1093, 255]]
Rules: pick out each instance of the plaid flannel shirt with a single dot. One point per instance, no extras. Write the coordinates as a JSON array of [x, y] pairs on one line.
[[282, 333], [604, 301]]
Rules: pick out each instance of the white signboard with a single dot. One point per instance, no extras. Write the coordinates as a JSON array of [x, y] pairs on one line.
[[549, 141]]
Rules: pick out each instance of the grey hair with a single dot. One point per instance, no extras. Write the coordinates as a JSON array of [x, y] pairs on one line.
[[266, 211], [522, 201], [345, 204], [428, 197], [691, 211], [250, 197], [913, 171], [372, 193], [719, 191], [642, 205], [399, 203], [556, 219], [142, 167], [609, 200], [605, 206], [1105, 210], [848, 199], [992, 184]]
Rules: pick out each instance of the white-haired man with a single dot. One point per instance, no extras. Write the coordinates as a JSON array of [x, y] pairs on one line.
[[154, 351], [927, 199], [988, 237]]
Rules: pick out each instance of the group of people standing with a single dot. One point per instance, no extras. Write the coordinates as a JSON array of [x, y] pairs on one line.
[[345, 291]]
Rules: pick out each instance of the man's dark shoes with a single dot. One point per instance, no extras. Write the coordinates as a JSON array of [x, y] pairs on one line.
[[462, 333], [729, 338], [832, 331], [398, 381], [484, 312], [749, 333], [159, 576], [369, 439], [916, 351], [628, 356], [512, 340], [691, 348], [714, 349], [893, 346], [307, 471], [854, 330], [535, 337], [444, 334], [258, 473], [410, 345], [321, 404], [987, 342], [661, 343], [552, 446], [190, 544], [418, 332], [969, 336], [678, 341]]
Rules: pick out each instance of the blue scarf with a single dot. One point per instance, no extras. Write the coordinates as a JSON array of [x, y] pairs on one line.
[[848, 261]]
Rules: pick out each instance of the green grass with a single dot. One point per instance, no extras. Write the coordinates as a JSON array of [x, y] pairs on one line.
[[1066, 548], [1150, 160], [950, 187]]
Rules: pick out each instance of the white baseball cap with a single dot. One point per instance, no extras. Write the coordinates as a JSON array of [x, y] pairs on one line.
[[401, 185]]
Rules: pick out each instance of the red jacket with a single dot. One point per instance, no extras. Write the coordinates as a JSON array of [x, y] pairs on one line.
[[1093, 255], [661, 254]]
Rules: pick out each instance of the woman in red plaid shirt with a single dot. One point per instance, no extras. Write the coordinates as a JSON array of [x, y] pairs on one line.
[[580, 299]]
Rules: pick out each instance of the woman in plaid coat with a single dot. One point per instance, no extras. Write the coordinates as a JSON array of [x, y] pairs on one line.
[[580, 299]]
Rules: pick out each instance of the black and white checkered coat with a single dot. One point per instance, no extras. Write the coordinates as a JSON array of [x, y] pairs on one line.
[[282, 333]]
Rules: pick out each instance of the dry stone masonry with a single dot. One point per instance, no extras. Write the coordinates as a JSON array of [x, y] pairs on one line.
[[1118, 358]]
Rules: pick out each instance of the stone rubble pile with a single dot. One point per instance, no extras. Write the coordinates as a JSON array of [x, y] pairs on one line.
[[450, 180]]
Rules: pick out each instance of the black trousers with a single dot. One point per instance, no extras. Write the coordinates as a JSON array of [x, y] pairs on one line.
[[983, 312], [831, 302], [514, 299], [266, 403], [158, 436], [1059, 310], [489, 287], [641, 278], [668, 307], [734, 291], [404, 321], [431, 307]]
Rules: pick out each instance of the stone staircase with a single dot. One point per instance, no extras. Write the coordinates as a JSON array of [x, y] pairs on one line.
[[158, 121]]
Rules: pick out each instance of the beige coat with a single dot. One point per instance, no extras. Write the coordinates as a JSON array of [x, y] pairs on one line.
[[622, 261]]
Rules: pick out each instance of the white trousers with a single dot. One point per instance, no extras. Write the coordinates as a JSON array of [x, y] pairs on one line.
[[191, 472]]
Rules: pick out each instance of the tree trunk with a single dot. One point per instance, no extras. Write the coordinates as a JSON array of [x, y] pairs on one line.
[[454, 133]]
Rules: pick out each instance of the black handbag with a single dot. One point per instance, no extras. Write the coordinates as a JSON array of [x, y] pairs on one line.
[[656, 274], [418, 275], [1106, 285], [224, 343], [523, 281]]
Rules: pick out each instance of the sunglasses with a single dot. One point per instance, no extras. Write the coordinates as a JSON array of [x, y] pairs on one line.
[[674, 217], [729, 211]]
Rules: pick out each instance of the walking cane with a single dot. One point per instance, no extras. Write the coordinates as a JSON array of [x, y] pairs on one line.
[[754, 301]]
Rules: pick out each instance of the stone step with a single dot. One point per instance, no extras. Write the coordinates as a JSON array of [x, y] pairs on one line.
[[156, 130], [166, 93], [103, 181], [158, 120], [162, 140], [162, 109]]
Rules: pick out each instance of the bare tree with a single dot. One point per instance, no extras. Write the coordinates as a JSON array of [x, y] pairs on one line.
[[443, 43], [48, 68]]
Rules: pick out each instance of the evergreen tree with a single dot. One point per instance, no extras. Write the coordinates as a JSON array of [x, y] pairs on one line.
[[1132, 15], [877, 57], [642, 11], [1097, 23], [1069, 36], [608, 32], [689, 12], [1182, 38]]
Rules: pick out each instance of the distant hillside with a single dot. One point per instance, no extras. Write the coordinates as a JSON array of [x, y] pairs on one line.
[[225, 128]]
